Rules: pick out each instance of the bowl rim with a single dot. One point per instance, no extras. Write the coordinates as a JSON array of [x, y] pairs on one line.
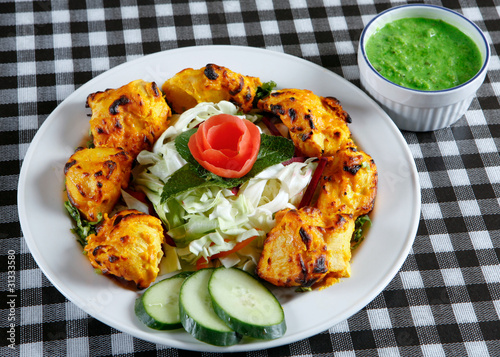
[[438, 8]]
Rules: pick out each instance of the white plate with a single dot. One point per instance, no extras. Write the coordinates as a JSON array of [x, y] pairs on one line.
[[46, 225]]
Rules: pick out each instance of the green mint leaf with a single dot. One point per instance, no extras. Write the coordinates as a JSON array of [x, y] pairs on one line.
[[186, 179], [264, 90], [360, 226], [90, 142], [83, 227], [273, 150], [181, 144]]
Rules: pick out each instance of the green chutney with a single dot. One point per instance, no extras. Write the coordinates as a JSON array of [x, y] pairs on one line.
[[423, 54]]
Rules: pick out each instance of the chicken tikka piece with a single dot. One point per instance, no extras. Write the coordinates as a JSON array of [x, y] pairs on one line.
[[306, 248], [349, 183], [211, 83], [317, 125], [94, 179], [131, 117], [129, 246]]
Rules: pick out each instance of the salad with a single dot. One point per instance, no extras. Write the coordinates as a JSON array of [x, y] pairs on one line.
[[209, 222]]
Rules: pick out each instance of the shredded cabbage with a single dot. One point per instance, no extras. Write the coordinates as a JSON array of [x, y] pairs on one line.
[[211, 220], [134, 203]]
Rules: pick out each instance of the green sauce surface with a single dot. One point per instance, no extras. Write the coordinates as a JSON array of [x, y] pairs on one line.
[[423, 54]]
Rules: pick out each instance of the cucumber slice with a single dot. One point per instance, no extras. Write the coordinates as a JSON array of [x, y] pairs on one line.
[[245, 305], [158, 307], [197, 314]]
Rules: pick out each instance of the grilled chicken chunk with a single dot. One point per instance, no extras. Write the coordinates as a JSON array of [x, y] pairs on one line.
[[129, 246], [317, 125], [211, 83], [349, 183], [305, 248], [131, 117], [338, 242], [94, 179]]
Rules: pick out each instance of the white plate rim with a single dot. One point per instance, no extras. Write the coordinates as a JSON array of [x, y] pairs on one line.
[[205, 51]]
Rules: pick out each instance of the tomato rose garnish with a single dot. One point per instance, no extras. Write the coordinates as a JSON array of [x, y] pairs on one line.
[[226, 145]]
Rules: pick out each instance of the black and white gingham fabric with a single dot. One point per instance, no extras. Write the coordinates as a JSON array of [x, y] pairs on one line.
[[445, 300]]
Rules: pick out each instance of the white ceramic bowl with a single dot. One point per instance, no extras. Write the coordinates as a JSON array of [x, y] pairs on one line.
[[417, 110]]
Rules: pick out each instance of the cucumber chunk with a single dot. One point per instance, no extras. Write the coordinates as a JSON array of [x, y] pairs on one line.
[[197, 314], [158, 307], [246, 305]]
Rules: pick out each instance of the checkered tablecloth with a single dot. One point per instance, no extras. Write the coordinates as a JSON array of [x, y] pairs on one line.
[[445, 300]]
